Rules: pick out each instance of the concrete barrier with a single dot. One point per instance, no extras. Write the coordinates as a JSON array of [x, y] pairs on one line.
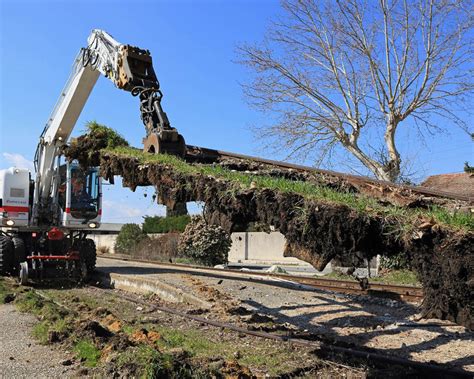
[[104, 240], [139, 284], [259, 247]]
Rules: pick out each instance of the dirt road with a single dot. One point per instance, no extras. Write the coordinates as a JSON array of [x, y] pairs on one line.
[[21, 356]]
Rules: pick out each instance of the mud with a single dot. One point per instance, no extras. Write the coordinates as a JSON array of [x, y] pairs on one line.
[[318, 231]]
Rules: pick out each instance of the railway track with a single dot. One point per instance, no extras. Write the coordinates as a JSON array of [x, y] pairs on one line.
[[196, 153], [322, 347], [397, 292]]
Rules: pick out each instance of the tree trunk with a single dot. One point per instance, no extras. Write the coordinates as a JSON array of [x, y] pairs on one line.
[[375, 167], [179, 209], [392, 167]]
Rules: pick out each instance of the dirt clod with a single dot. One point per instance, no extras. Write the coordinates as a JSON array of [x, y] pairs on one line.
[[8, 298], [93, 329], [233, 370], [145, 336], [112, 324]]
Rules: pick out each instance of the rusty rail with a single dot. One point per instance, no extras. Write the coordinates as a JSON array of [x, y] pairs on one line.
[[391, 291], [196, 153]]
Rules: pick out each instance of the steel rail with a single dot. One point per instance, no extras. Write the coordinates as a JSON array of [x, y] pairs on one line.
[[367, 354], [399, 292], [206, 152]]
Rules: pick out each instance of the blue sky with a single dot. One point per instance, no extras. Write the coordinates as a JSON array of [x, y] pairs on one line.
[[193, 47]]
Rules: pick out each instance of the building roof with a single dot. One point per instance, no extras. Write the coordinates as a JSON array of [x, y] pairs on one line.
[[461, 183]]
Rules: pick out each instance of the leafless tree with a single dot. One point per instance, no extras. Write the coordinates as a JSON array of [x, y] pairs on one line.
[[350, 72]]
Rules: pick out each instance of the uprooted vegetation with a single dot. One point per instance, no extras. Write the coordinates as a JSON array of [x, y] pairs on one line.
[[85, 148], [322, 217]]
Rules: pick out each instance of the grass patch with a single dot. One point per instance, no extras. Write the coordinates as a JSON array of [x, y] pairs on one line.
[[54, 318], [357, 202], [41, 332], [403, 277], [398, 277], [31, 302], [186, 261], [274, 359], [88, 352], [150, 360], [151, 363], [99, 131], [4, 290], [275, 362], [191, 341]]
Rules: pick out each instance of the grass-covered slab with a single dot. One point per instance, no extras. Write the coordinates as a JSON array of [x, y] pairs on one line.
[[320, 222]]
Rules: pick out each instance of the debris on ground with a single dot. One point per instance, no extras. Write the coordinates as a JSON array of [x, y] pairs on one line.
[[162, 346], [275, 269]]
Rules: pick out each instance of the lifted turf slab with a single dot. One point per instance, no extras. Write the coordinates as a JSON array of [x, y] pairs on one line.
[[319, 222]]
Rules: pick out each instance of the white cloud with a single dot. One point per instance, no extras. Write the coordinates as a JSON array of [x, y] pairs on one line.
[[120, 209], [18, 160], [117, 211]]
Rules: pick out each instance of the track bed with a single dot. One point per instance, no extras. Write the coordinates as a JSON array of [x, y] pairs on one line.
[[379, 325]]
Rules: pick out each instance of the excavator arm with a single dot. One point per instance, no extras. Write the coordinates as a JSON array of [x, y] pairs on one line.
[[129, 68]]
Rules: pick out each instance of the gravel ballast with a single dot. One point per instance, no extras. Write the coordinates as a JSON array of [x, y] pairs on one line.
[[23, 357]]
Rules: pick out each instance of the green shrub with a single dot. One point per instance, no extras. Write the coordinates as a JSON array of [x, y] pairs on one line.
[[157, 224], [129, 236], [395, 262], [206, 244]]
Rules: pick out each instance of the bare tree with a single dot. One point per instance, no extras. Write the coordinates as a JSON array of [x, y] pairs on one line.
[[350, 72]]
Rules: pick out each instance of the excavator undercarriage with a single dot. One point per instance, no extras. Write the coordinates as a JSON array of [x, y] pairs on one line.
[[47, 219]]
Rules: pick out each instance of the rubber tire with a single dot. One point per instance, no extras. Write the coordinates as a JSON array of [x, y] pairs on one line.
[[89, 253], [19, 254], [6, 255], [23, 273]]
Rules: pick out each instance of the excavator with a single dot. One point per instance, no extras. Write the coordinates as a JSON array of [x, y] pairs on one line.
[[45, 220]]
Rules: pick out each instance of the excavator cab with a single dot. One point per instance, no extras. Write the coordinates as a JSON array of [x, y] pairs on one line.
[[79, 196]]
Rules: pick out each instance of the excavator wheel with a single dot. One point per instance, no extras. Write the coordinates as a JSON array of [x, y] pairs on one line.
[[155, 144], [90, 254], [19, 254], [23, 273], [6, 254]]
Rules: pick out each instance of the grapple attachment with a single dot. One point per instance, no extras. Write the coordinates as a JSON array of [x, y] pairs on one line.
[[136, 74], [169, 142], [135, 69]]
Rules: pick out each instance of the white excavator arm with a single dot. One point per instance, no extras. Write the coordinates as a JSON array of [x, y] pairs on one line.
[[129, 68]]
